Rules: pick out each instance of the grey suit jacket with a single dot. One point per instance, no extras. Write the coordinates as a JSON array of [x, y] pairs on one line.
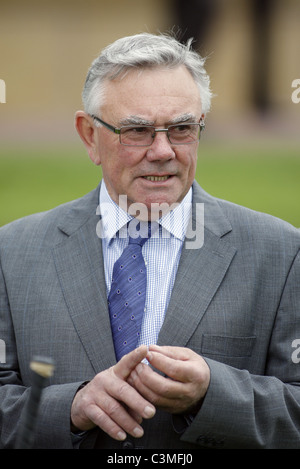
[[235, 301]]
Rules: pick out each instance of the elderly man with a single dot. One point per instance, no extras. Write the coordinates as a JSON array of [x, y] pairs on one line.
[[180, 337]]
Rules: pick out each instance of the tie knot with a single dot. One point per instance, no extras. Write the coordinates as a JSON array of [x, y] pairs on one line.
[[141, 236]]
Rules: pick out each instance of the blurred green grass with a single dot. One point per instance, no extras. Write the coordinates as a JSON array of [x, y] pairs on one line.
[[262, 178]]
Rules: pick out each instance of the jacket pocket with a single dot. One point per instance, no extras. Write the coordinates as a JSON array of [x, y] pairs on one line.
[[227, 346]]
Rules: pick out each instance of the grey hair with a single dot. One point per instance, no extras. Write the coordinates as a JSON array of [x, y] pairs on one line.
[[143, 51]]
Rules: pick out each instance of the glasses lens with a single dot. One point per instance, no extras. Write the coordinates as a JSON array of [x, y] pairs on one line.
[[178, 134], [137, 136], [184, 133]]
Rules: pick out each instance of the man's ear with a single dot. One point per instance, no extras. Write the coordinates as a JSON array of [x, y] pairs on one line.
[[87, 132]]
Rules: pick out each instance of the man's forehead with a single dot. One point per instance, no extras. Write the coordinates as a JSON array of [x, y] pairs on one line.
[[174, 79], [154, 94]]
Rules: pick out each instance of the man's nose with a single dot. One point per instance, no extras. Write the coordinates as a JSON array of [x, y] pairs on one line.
[[161, 147]]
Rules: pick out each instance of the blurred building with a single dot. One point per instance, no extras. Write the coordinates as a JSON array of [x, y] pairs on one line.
[[46, 47]]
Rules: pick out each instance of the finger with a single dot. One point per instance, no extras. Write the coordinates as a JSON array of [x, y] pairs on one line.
[[176, 369], [160, 393], [137, 417], [117, 430], [167, 394], [178, 353], [154, 386], [120, 415], [123, 392], [128, 362], [145, 388], [187, 365]]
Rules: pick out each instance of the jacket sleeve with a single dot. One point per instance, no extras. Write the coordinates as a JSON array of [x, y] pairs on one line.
[[53, 423], [241, 410]]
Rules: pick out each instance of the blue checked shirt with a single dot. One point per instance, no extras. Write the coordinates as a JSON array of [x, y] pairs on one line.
[[161, 253]]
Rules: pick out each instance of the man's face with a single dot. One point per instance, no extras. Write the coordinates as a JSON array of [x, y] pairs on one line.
[[162, 172]]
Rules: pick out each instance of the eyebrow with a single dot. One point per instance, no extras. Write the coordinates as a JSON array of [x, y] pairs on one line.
[[188, 117], [137, 120]]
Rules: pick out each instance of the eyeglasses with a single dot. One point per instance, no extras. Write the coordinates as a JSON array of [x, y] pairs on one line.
[[144, 135]]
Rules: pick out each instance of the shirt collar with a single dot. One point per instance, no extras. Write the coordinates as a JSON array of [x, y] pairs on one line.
[[114, 217]]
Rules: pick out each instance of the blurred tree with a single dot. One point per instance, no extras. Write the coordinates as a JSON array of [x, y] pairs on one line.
[[261, 34], [194, 18]]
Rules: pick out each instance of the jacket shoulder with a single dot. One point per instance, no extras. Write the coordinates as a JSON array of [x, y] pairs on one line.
[[38, 224], [246, 224]]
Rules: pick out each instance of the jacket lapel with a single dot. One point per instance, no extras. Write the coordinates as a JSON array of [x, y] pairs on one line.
[[79, 266], [200, 273]]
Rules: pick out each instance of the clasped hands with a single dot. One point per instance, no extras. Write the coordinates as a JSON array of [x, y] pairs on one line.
[[119, 398]]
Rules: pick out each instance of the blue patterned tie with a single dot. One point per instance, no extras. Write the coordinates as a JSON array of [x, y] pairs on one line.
[[126, 300]]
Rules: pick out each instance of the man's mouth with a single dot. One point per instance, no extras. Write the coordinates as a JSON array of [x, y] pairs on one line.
[[156, 178]]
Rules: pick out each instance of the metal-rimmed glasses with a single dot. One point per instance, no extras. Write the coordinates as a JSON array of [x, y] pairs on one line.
[[144, 135]]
